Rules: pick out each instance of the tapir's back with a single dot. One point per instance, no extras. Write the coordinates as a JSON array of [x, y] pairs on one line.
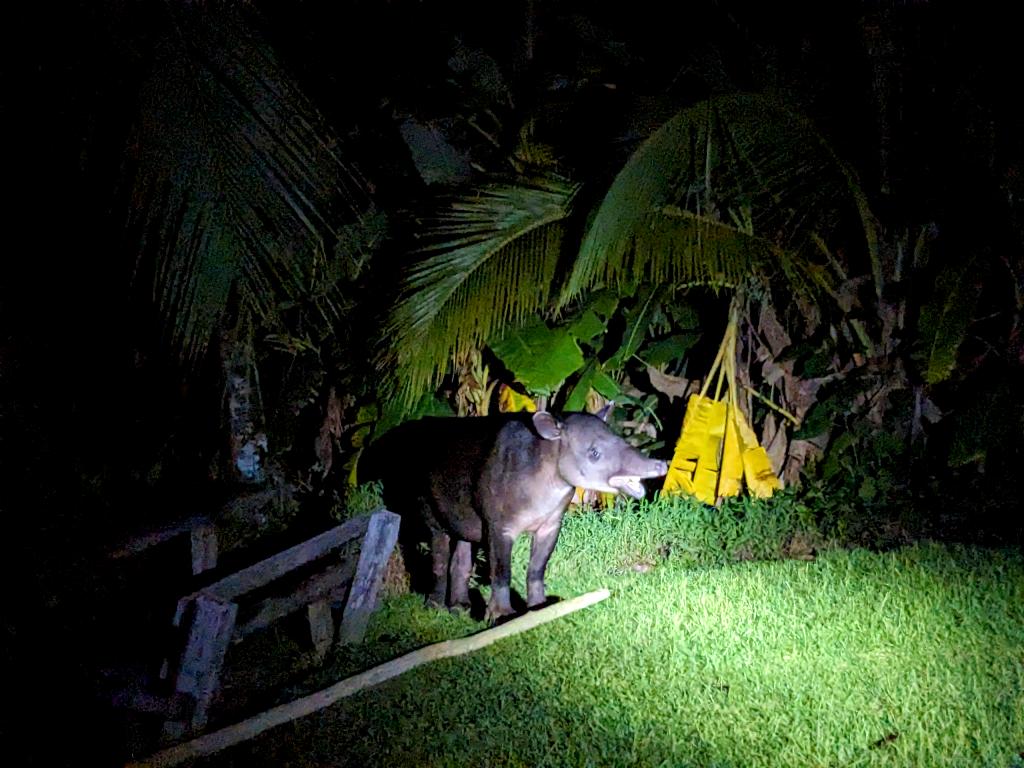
[[432, 466]]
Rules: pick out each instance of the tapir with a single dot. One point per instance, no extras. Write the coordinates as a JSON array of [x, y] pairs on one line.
[[488, 480]]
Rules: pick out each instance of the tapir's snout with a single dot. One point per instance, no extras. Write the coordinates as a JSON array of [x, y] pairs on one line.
[[630, 483], [646, 468]]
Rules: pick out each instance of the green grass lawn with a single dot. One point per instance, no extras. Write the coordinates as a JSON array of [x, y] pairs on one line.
[[913, 657]]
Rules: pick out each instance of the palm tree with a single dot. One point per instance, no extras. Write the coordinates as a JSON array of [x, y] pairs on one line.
[[490, 259], [245, 210], [734, 190]]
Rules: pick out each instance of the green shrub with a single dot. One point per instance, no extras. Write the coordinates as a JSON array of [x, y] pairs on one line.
[[640, 534]]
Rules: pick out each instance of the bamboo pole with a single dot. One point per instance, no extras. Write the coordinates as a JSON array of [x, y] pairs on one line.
[[247, 729]]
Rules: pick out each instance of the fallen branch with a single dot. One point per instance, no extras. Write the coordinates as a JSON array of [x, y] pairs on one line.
[[247, 729]]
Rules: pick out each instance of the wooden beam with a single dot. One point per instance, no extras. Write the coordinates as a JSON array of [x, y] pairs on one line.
[[196, 681], [215, 608], [328, 583], [266, 571], [204, 547], [379, 542], [321, 627], [141, 542]]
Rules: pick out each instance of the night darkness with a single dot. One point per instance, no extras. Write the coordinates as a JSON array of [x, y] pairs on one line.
[[103, 429]]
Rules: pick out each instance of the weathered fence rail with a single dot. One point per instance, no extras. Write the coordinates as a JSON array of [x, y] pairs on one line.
[[327, 574]]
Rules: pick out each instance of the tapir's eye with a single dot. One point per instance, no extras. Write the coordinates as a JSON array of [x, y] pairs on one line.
[[594, 454]]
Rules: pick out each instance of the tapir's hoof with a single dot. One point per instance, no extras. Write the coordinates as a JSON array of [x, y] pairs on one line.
[[433, 601], [496, 614], [549, 600]]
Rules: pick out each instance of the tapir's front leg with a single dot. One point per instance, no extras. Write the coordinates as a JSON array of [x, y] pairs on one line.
[[499, 545], [544, 540]]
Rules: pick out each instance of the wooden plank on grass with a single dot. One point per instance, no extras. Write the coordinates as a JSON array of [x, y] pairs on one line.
[[247, 729]]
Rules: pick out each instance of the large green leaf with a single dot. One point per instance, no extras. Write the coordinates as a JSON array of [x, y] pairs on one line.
[[394, 412], [670, 349], [638, 319], [592, 378], [734, 187], [592, 320], [944, 320], [489, 262], [539, 357]]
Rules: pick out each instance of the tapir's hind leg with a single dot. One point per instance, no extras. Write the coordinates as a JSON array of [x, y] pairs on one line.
[[458, 574], [440, 553]]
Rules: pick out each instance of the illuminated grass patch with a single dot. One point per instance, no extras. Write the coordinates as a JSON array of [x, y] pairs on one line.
[[911, 657]]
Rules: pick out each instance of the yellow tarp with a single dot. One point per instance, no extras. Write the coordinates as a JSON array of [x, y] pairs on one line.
[[694, 466], [717, 450], [757, 468]]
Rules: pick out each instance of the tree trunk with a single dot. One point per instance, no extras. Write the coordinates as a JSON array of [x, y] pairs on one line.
[[247, 441]]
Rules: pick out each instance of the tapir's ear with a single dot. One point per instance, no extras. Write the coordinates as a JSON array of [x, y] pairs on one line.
[[547, 426]]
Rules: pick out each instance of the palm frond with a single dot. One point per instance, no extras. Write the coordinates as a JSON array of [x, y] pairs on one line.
[[236, 181], [489, 260], [731, 188]]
